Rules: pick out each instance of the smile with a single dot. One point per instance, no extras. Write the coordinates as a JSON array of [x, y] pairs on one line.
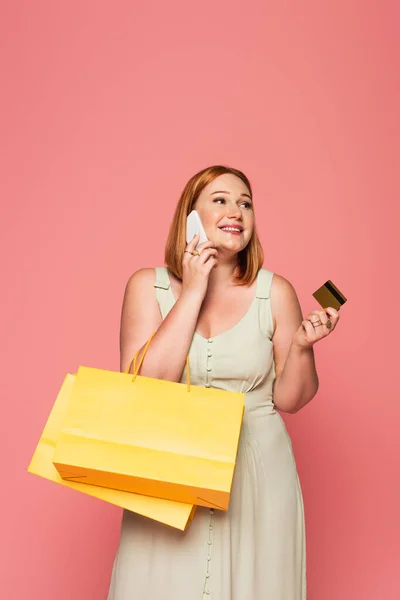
[[234, 230]]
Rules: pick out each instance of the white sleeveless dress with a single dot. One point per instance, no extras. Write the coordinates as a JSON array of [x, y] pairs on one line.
[[256, 549]]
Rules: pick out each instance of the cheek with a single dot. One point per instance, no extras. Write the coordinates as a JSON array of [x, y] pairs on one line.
[[211, 218], [248, 219]]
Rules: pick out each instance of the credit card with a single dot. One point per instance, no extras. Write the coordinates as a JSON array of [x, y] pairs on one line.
[[329, 295]]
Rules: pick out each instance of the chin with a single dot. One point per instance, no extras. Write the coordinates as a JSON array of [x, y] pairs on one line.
[[231, 248]]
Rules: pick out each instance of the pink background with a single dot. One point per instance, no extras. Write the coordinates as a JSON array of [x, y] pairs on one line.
[[107, 110]]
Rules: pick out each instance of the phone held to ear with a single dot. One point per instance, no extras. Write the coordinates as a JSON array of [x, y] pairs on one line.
[[193, 226]]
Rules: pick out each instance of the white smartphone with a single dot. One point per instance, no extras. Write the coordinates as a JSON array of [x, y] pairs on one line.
[[194, 224]]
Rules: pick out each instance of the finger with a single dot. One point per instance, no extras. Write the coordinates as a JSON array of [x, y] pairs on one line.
[[193, 242], [207, 244], [323, 317], [322, 329], [211, 263], [321, 314], [317, 315], [309, 328], [332, 312], [205, 254], [189, 248]]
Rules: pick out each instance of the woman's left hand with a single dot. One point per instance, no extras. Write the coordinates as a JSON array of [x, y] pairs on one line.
[[307, 334]]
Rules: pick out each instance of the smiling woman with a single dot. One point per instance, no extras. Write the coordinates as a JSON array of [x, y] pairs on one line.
[[218, 206], [216, 307], [233, 228]]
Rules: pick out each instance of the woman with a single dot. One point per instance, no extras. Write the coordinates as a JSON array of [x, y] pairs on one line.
[[242, 328]]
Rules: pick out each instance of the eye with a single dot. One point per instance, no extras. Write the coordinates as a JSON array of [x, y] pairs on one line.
[[248, 205]]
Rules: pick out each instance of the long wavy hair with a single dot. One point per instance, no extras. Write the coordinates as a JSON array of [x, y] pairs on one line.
[[250, 260]]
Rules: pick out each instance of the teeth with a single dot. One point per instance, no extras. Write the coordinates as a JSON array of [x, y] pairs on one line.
[[230, 229]]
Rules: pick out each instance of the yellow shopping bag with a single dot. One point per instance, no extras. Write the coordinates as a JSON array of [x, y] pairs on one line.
[[175, 514], [151, 436]]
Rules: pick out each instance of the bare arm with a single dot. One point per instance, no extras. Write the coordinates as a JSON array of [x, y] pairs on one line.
[[296, 381], [166, 354]]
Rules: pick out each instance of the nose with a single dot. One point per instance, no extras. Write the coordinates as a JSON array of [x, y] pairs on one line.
[[234, 212]]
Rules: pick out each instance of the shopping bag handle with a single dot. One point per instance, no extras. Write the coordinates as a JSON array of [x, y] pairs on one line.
[[136, 370]]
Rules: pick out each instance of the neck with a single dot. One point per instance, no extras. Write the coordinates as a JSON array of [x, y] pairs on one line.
[[223, 275]]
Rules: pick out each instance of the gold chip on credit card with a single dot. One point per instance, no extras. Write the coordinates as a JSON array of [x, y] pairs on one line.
[[329, 295]]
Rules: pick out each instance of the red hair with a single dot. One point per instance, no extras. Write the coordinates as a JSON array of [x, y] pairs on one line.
[[250, 260]]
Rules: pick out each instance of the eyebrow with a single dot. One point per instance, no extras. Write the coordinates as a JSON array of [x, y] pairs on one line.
[[222, 192]]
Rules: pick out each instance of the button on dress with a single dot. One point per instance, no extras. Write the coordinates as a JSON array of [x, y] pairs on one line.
[[256, 549]]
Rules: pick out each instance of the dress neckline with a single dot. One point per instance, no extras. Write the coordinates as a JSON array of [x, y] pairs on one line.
[[249, 310]]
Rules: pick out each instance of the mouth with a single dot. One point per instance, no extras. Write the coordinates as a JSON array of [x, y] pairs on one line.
[[232, 230]]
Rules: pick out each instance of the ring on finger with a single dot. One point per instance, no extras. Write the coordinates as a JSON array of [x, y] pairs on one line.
[[318, 323]]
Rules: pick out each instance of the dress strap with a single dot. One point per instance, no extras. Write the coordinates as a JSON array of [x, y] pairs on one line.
[[162, 279], [264, 281], [164, 294]]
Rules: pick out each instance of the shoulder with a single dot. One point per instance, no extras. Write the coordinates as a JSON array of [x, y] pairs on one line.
[[141, 282], [280, 286], [147, 274], [284, 301], [140, 300], [140, 315]]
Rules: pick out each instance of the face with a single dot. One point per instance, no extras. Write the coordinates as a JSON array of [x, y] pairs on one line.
[[226, 211]]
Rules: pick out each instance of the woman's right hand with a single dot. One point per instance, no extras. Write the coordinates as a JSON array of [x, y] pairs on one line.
[[196, 269]]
